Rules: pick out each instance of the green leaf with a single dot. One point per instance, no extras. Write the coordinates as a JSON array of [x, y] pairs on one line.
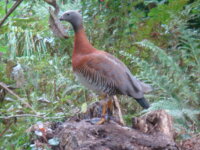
[[84, 108], [3, 49]]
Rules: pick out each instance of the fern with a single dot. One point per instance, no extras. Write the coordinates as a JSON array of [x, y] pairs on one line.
[[171, 90], [174, 72]]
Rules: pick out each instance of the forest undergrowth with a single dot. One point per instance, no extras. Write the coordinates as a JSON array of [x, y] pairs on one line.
[[158, 40]]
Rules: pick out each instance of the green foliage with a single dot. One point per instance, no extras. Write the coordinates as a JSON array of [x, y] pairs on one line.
[[49, 82], [174, 71], [157, 39], [164, 13], [170, 93]]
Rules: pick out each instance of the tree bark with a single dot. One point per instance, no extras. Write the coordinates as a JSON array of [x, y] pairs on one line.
[[54, 23], [152, 131]]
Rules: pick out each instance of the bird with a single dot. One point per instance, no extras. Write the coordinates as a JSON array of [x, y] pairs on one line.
[[100, 71]]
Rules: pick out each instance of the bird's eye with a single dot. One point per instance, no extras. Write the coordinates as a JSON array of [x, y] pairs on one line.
[[67, 14]]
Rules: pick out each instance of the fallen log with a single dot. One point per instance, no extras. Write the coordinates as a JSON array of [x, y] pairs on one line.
[[109, 136], [190, 144], [152, 131]]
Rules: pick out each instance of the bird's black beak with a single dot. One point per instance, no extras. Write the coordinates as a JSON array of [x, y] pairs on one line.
[[61, 18]]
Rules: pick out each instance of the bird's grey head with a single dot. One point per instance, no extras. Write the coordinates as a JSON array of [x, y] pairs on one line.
[[74, 17]]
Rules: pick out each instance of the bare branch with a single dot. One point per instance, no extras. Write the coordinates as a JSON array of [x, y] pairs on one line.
[[55, 24], [7, 127], [3, 85], [10, 11]]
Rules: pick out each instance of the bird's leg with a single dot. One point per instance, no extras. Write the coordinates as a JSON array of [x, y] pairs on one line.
[[103, 119], [107, 111], [110, 107], [107, 108], [104, 108]]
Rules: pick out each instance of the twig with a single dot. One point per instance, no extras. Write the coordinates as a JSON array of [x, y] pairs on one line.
[[29, 115], [6, 7], [3, 85], [4, 131], [10, 11], [55, 5], [116, 102], [55, 93]]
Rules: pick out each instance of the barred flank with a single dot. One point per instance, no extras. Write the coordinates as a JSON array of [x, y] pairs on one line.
[[99, 81]]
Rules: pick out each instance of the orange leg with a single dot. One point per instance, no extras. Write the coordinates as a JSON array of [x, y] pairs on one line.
[[110, 107], [107, 108], [105, 105]]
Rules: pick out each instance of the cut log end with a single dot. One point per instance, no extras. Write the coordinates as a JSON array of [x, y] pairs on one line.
[[154, 122]]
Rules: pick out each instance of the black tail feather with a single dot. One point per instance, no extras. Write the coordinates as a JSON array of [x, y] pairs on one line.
[[143, 102]]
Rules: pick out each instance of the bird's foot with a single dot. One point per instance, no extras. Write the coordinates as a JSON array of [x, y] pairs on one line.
[[99, 121]]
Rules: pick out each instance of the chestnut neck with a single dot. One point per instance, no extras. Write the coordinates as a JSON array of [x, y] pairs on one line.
[[81, 42]]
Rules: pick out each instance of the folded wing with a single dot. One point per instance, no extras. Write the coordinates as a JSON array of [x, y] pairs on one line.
[[104, 73]]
